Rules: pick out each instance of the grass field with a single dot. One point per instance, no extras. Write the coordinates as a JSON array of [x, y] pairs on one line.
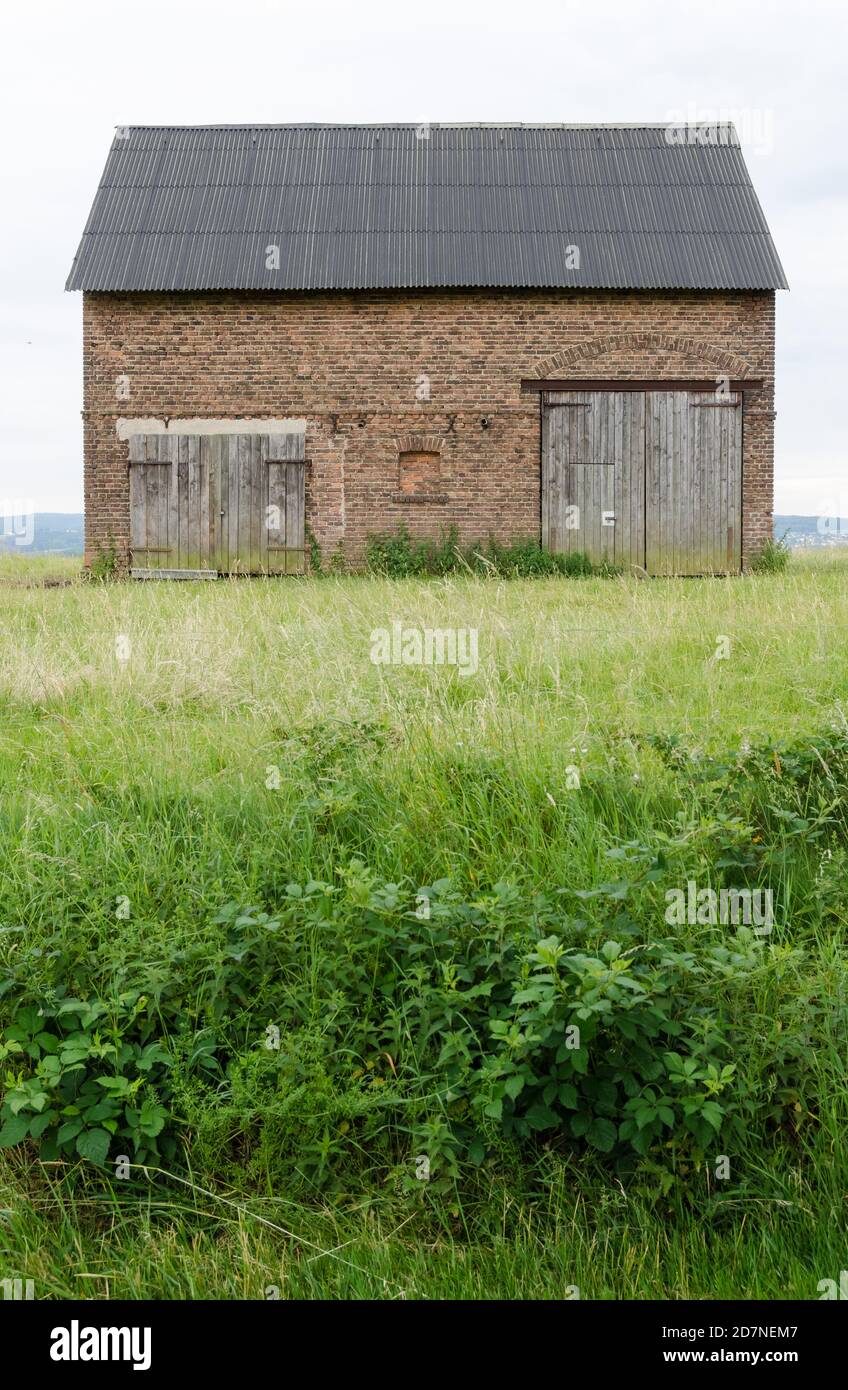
[[221, 818]]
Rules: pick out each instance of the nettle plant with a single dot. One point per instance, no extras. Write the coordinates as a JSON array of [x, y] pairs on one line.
[[83, 1078], [587, 1051]]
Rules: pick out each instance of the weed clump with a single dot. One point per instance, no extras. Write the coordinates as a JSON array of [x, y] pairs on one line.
[[773, 558], [400, 556]]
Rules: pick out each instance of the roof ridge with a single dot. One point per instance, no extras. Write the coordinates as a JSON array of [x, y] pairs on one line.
[[440, 125]]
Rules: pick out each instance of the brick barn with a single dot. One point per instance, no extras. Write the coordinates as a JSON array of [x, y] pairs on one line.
[[559, 332]]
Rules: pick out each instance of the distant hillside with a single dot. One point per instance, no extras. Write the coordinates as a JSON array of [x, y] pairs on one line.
[[54, 533], [810, 531]]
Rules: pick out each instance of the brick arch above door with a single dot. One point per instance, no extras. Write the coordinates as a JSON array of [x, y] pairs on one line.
[[642, 354]]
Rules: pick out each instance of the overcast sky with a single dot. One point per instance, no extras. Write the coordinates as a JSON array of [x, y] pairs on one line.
[[73, 72]]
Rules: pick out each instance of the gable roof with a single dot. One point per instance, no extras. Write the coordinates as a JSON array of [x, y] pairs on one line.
[[401, 206]]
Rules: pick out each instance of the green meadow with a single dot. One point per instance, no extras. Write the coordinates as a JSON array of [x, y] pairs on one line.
[[329, 978]]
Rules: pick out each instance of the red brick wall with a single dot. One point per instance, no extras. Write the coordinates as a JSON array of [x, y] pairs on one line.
[[379, 373]]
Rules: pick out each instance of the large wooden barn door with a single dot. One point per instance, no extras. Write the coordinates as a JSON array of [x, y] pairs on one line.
[[217, 504], [693, 496], [644, 479], [593, 478]]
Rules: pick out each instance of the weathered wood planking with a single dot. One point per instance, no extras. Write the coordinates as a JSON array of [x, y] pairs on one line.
[[149, 480], [240, 550], [593, 460], [229, 504], [230, 556], [286, 480], [667, 464], [694, 483]]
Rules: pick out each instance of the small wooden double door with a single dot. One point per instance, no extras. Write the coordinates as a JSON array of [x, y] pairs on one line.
[[216, 504], [644, 479]]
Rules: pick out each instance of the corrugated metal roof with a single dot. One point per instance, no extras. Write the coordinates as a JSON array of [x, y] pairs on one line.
[[402, 206]]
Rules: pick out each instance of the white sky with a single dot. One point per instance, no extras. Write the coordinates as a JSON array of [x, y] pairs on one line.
[[72, 72]]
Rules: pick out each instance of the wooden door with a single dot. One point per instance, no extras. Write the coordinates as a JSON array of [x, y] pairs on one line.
[[235, 501], [257, 495], [593, 475], [169, 513], [217, 504], [693, 495], [644, 479]]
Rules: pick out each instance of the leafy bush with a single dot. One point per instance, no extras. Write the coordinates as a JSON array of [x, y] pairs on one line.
[[446, 1032], [346, 1025], [82, 1074], [454, 1029], [584, 1052]]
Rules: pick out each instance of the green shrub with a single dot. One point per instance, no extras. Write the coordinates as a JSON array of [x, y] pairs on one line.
[[338, 559], [584, 1050], [347, 1025], [83, 1077], [521, 1033], [458, 1030]]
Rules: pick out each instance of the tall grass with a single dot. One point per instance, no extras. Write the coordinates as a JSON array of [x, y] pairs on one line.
[[185, 746]]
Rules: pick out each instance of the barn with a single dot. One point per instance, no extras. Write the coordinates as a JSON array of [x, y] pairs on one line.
[[298, 336]]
